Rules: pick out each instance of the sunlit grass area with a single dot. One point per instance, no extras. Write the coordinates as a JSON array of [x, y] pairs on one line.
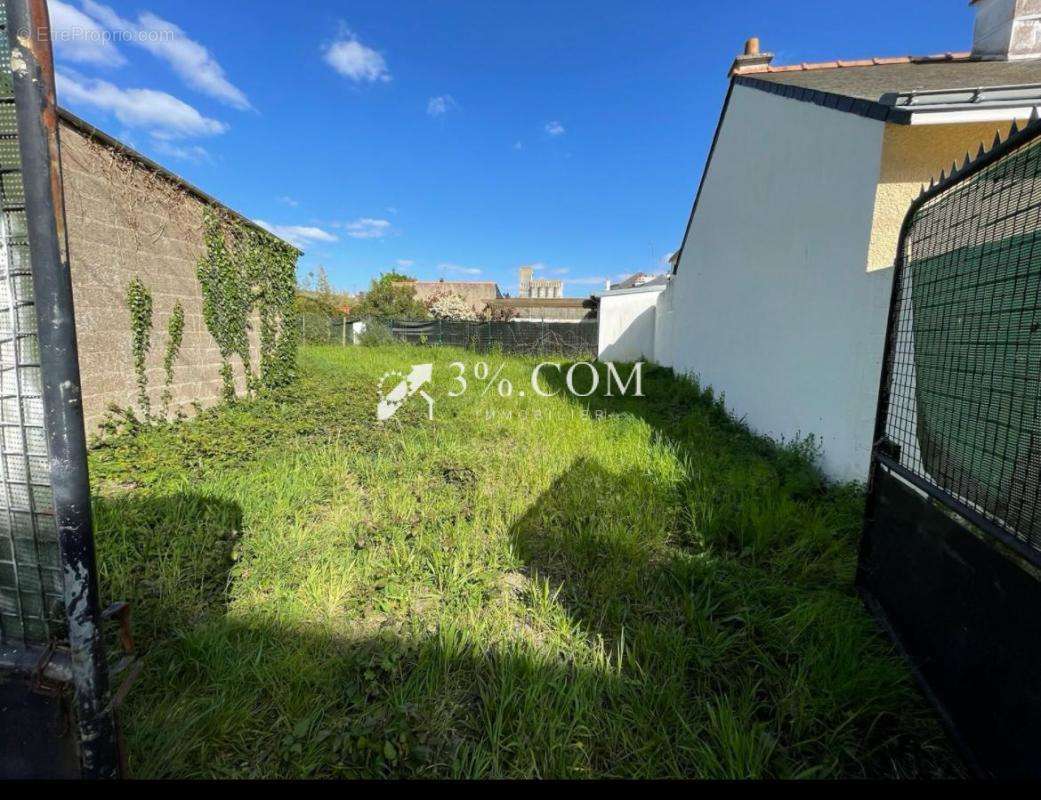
[[525, 586]]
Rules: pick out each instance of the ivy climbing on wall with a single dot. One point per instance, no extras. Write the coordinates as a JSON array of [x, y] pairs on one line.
[[244, 272], [139, 303], [174, 338]]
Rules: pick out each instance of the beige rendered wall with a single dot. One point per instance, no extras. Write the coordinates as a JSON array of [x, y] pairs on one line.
[[126, 221], [912, 155]]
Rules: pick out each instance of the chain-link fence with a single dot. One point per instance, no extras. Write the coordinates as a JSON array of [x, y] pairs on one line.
[[578, 339], [951, 551], [964, 398], [322, 329]]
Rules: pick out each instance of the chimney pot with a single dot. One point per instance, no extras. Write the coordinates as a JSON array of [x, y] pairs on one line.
[[751, 58]]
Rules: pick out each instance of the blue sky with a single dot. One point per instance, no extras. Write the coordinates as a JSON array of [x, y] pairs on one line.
[[453, 139]]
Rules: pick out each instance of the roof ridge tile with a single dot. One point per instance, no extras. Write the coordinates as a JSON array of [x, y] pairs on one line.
[[808, 66]]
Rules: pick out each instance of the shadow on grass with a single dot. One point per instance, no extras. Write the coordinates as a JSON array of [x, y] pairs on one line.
[[170, 556], [754, 656], [696, 666], [725, 643]]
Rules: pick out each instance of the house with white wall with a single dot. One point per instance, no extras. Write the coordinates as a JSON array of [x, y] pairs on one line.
[[781, 287]]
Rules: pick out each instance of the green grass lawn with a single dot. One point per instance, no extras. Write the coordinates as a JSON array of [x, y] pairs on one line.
[[611, 587]]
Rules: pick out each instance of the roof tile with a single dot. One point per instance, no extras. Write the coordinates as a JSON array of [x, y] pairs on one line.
[[864, 62]]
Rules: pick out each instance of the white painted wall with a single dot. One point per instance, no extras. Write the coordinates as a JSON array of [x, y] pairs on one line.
[[664, 327], [772, 303], [357, 330], [1007, 29], [627, 322]]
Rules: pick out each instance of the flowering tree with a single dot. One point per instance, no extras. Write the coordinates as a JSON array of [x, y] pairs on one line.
[[451, 306]]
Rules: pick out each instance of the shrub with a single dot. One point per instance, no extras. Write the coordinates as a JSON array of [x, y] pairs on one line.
[[392, 296], [376, 334], [499, 314]]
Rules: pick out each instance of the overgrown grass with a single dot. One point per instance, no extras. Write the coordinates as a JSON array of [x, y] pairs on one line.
[[608, 587]]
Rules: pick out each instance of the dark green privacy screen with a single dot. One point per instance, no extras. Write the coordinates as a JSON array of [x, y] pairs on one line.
[[966, 363]]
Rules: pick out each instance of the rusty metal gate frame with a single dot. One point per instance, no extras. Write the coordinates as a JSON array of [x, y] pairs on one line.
[[957, 591], [79, 660]]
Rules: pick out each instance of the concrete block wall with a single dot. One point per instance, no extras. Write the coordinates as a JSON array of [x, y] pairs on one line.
[[125, 220]]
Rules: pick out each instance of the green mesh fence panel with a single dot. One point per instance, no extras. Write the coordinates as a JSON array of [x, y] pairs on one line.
[[31, 609], [966, 370]]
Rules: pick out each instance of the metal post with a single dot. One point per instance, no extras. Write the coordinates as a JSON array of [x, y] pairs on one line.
[[343, 331], [32, 68]]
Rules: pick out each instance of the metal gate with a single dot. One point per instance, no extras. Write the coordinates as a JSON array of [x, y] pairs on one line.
[[951, 553], [56, 712]]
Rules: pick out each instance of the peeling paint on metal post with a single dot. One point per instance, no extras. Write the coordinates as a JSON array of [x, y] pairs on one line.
[[33, 83]]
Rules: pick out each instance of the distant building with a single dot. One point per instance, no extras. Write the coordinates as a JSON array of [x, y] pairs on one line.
[[638, 279], [541, 288], [476, 293]]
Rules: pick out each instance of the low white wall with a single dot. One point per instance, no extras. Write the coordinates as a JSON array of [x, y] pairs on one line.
[[772, 303], [357, 329], [627, 324], [664, 328]]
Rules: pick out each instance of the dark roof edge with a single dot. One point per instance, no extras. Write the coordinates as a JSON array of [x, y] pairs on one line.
[[94, 132], [704, 177], [838, 102]]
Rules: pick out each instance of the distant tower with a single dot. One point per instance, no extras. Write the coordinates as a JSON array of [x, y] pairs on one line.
[[525, 281]]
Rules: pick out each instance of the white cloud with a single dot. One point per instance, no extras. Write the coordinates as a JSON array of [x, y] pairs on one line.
[[367, 228], [297, 235], [554, 128], [190, 60], [292, 202], [405, 262], [193, 153], [441, 105], [162, 114], [353, 60], [78, 38], [458, 270]]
